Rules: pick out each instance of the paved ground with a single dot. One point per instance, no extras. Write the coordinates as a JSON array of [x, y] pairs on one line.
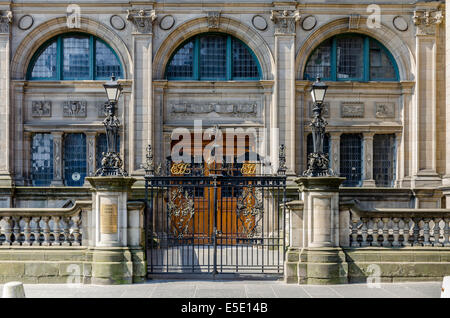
[[234, 289]]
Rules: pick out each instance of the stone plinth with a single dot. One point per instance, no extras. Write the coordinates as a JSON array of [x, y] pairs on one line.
[[314, 256], [112, 256]]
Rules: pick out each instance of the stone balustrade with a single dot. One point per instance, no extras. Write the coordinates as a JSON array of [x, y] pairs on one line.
[[400, 227], [42, 227]]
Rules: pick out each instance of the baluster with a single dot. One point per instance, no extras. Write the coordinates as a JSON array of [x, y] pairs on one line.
[[27, 232], [46, 231], [446, 232], [66, 241], [375, 232], [355, 233], [396, 232], [406, 230], [16, 231], [385, 232], [426, 232], [56, 231], [416, 232], [76, 230], [7, 230], [437, 231], [36, 232], [364, 232]]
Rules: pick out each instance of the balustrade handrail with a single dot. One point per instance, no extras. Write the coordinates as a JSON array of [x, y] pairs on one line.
[[30, 212]]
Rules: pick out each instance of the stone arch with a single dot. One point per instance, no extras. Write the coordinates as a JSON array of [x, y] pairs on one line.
[[45, 31], [230, 26], [399, 50]]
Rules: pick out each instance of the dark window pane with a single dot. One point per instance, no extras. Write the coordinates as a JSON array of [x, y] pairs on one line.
[[45, 65], [75, 159], [381, 67], [42, 159], [213, 57], [181, 65], [351, 159], [384, 160], [106, 62], [243, 62], [350, 56], [76, 62], [319, 63]]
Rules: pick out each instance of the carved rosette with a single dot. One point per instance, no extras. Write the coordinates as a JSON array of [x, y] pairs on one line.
[[426, 21], [5, 22], [285, 20], [142, 19]]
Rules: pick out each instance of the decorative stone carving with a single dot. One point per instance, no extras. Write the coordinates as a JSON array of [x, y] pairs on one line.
[[25, 22], [117, 22], [5, 22], [167, 22], [400, 23], [259, 23], [234, 110], [426, 21], [142, 19], [285, 20], [325, 109], [353, 21], [74, 109], [352, 109], [41, 108], [309, 23], [384, 110], [101, 110], [213, 18]]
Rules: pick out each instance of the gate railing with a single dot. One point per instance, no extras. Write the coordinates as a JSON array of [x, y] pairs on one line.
[[42, 226], [399, 227]]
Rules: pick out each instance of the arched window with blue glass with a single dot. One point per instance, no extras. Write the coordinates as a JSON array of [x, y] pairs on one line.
[[351, 57], [74, 56], [213, 57]]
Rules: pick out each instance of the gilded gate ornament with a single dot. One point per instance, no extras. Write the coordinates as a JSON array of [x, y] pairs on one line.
[[248, 169], [181, 210], [180, 168], [249, 211]]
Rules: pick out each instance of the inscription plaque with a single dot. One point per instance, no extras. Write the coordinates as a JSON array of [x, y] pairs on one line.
[[108, 218]]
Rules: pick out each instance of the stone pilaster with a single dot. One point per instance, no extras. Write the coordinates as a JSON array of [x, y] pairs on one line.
[[427, 18], [283, 113], [446, 180], [91, 154], [27, 142], [368, 159], [142, 120], [318, 258], [57, 159], [6, 155], [335, 152]]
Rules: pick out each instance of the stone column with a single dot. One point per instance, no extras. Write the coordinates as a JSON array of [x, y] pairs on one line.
[[427, 18], [335, 158], [319, 259], [113, 259], [284, 112], [6, 155], [57, 159], [446, 179], [368, 159]]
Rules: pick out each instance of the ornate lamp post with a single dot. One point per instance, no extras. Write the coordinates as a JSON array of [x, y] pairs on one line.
[[111, 161], [318, 161]]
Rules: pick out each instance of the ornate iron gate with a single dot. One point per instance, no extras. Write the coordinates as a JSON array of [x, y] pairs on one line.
[[215, 218]]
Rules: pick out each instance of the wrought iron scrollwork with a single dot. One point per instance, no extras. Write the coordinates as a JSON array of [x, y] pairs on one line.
[[250, 209], [181, 210]]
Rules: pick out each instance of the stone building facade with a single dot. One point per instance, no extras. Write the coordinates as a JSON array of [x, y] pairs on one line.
[[384, 62]]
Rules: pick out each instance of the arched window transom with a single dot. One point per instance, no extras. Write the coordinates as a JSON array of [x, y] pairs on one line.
[[351, 57], [74, 56], [213, 57]]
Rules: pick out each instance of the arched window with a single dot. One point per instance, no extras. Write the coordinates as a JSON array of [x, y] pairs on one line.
[[213, 57], [74, 56], [351, 57]]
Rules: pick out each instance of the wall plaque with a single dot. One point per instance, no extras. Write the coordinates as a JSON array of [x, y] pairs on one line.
[[74, 109], [108, 219], [384, 110], [41, 108], [352, 109]]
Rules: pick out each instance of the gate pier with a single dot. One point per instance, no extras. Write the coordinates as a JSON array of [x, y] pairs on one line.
[[314, 256]]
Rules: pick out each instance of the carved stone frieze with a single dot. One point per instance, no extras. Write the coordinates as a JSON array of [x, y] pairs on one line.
[[285, 20], [224, 109], [75, 109], [142, 19], [352, 109], [41, 108]]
